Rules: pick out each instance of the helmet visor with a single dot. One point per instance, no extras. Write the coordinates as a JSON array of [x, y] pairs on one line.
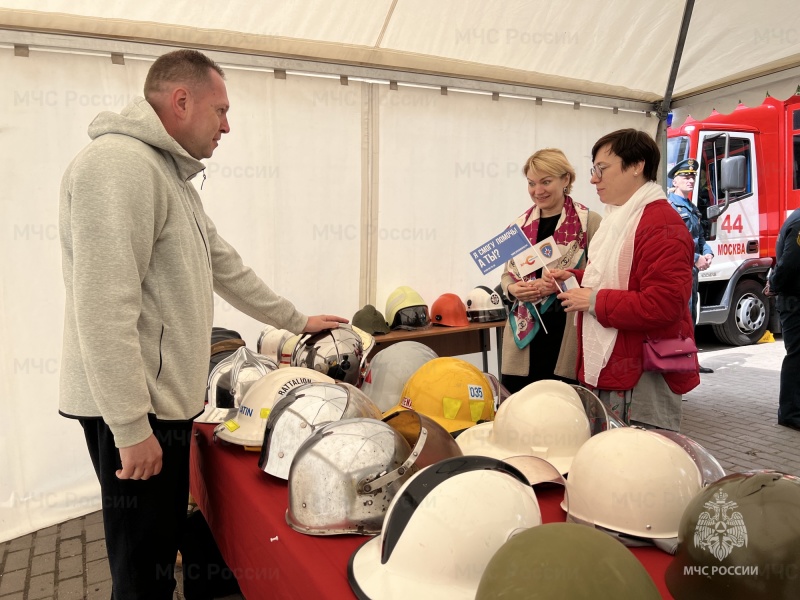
[[439, 443], [709, 467], [411, 317]]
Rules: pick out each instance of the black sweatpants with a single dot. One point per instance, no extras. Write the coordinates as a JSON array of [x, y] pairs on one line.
[[143, 519], [789, 400]]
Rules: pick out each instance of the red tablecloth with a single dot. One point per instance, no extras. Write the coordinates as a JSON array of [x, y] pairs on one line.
[[245, 509]]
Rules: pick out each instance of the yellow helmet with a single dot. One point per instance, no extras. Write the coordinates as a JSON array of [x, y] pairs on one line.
[[450, 391], [405, 309]]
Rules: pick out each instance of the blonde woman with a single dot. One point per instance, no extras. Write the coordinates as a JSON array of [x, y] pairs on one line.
[[529, 352]]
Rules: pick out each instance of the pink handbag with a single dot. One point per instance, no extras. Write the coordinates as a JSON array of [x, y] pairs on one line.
[[675, 355]]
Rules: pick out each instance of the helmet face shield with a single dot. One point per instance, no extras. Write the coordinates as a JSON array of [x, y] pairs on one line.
[[600, 418], [439, 444], [305, 409], [345, 475], [709, 467], [412, 317]]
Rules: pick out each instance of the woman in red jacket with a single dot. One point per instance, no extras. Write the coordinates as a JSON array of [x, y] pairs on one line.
[[637, 285]]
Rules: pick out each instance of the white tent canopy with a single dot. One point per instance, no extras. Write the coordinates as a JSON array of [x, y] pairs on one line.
[[374, 144], [622, 50]]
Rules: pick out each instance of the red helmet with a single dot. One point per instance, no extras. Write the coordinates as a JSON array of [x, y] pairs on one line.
[[449, 310]]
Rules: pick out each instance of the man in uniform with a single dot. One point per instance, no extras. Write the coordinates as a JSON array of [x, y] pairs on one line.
[[684, 175], [784, 282]]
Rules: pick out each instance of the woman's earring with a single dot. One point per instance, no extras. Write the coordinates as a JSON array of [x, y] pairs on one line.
[[565, 191], [635, 173]]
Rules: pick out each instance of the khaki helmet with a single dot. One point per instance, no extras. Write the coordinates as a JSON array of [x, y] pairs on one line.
[[338, 353], [739, 539], [389, 370], [442, 528], [547, 424], [565, 560], [247, 427], [451, 391], [370, 320], [632, 481], [306, 408], [345, 475]]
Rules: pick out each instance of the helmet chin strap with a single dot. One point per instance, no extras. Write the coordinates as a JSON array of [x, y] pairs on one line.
[[372, 484]]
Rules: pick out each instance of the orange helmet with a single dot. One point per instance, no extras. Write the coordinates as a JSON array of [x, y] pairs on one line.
[[449, 310]]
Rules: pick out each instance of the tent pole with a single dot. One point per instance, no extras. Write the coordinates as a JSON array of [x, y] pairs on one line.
[[663, 111]]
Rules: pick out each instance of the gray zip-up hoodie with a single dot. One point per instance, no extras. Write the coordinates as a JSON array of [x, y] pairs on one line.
[[140, 260]]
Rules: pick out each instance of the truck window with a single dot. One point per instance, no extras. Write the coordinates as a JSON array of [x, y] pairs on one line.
[[677, 150], [708, 182]]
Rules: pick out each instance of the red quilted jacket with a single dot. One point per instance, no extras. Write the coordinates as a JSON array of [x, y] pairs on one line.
[[656, 303]]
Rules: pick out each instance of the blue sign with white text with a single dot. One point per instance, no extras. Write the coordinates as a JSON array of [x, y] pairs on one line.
[[500, 249]]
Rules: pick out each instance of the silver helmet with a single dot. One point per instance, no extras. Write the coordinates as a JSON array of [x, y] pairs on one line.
[[303, 410], [337, 353], [229, 380], [344, 477]]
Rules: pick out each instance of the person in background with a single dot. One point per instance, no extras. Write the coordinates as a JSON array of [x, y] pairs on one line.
[[684, 175], [637, 285], [784, 282], [530, 353], [141, 261]]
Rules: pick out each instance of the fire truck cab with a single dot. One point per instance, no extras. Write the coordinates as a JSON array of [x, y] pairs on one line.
[[748, 183]]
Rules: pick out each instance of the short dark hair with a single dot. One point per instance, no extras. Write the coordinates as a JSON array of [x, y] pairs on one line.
[[632, 146], [180, 66]]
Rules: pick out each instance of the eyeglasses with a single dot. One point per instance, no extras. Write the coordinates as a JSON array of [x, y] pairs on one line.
[[597, 170]]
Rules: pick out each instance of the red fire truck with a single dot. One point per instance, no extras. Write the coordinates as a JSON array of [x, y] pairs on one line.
[[749, 182]]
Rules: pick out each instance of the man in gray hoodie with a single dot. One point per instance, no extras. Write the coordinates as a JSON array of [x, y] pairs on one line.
[[141, 261]]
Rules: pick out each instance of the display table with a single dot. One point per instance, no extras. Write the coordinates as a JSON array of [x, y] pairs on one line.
[[245, 509], [449, 341]]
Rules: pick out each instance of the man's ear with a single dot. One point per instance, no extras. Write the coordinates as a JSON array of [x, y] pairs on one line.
[[180, 102]]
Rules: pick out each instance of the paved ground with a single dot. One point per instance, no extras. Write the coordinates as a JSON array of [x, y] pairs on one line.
[[732, 413]]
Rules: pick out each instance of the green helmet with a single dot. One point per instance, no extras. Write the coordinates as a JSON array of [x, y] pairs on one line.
[[740, 538], [565, 560], [370, 320]]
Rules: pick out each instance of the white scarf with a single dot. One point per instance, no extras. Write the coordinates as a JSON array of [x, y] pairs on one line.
[[610, 259]]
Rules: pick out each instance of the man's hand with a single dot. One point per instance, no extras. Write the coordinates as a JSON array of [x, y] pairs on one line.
[[702, 263], [322, 322], [140, 461]]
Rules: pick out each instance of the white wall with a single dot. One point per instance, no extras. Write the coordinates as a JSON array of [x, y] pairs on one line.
[[287, 187]]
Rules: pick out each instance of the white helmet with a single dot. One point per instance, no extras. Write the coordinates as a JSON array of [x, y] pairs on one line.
[[306, 408], [287, 349], [247, 427], [345, 475], [228, 382], [442, 528], [547, 425], [271, 341], [390, 369], [632, 481], [485, 305], [339, 353]]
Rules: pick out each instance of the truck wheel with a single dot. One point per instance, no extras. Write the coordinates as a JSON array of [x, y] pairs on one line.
[[748, 317]]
